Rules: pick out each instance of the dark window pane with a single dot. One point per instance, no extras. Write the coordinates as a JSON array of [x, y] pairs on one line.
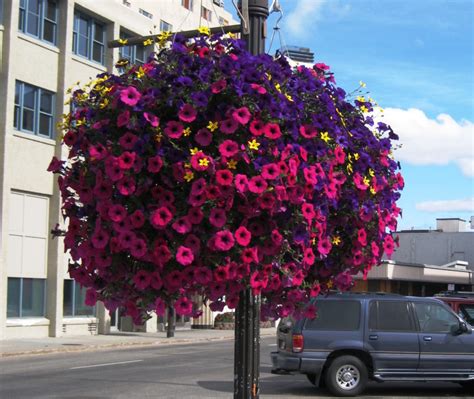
[[393, 316], [17, 92], [33, 298], [21, 20], [46, 102], [50, 11], [83, 45], [97, 52], [139, 54], [467, 312], [16, 117], [99, 33], [335, 316], [29, 96], [67, 299], [49, 32], [80, 297], [126, 52], [13, 297], [82, 26], [45, 125], [34, 6], [33, 24], [28, 120]]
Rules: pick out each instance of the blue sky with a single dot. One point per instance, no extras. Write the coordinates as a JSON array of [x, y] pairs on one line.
[[417, 60]]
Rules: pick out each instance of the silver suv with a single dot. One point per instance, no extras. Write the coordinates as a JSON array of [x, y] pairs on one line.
[[381, 337]]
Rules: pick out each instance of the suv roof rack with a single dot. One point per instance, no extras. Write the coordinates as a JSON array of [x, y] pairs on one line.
[[457, 294], [364, 293]]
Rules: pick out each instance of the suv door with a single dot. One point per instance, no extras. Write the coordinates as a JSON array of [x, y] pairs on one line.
[[441, 350], [391, 337]]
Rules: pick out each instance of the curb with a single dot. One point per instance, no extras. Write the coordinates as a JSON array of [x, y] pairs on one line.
[[119, 345]]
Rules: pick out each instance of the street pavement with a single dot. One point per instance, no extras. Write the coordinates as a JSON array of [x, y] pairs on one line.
[[201, 369]]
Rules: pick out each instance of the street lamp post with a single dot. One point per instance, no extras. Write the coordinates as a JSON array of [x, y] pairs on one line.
[[247, 315]]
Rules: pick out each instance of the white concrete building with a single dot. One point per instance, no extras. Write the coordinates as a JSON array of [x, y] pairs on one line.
[[46, 46]]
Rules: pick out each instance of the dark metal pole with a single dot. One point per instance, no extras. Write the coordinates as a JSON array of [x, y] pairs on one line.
[[247, 314], [171, 322]]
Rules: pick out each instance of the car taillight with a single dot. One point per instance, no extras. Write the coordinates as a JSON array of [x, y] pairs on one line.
[[298, 343]]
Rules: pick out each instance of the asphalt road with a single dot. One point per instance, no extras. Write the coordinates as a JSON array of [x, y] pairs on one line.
[[203, 370]]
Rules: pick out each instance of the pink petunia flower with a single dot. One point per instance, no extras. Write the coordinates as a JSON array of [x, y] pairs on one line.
[[229, 126], [308, 256], [243, 236], [308, 131], [153, 120], [221, 273], [130, 96], [154, 164], [257, 185], [91, 297], [362, 237], [203, 137], [126, 185], [174, 129], [324, 246], [224, 240], [388, 245], [241, 183], [160, 307], [256, 127], [123, 118], [272, 131], [228, 148], [161, 217], [217, 217], [183, 306], [100, 239], [308, 211], [182, 225], [339, 155], [112, 169], [161, 254], [270, 171], [187, 113], [138, 248], [128, 141], [126, 160], [242, 115], [195, 215], [142, 279], [218, 86], [224, 177], [259, 89], [184, 256], [203, 275], [137, 219], [250, 255], [117, 213]]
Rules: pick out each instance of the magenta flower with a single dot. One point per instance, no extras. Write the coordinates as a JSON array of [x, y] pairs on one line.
[[224, 177], [187, 113], [155, 164], [243, 236], [217, 217], [218, 86], [203, 275], [128, 141], [142, 279], [272, 131], [137, 219], [161, 217], [242, 115], [184, 256], [257, 127], [117, 213], [126, 185], [126, 160], [324, 246], [224, 240], [257, 185], [153, 120], [195, 215], [308, 257], [174, 129], [308, 131], [183, 306], [162, 254], [160, 307], [138, 248], [91, 297], [182, 225], [130, 96], [100, 239], [308, 211], [388, 245], [228, 148], [123, 119], [241, 183], [362, 237], [270, 171], [55, 165], [203, 137], [229, 126]]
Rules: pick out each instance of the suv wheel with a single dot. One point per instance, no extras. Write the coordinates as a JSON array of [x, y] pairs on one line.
[[346, 376]]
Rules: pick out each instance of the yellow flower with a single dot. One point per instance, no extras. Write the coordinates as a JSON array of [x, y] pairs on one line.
[[325, 137], [187, 132], [203, 162], [349, 169], [366, 181], [140, 73], [372, 191], [104, 103], [254, 144], [278, 87], [148, 42], [164, 36], [313, 241], [364, 109], [122, 62], [189, 176], [232, 164], [204, 30], [123, 42], [371, 173], [329, 284], [356, 156], [361, 99], [288, 97], [336, 240], [212, 126], [158, 137], [362, 84], [194, 151], [187, 165]]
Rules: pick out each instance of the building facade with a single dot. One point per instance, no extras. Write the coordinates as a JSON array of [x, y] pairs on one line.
[[46, 47]]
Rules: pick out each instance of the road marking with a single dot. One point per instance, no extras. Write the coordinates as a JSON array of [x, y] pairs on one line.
[[105, 364], [272, 344]]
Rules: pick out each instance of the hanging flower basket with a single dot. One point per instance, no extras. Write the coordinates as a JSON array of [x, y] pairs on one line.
[[208, 170]]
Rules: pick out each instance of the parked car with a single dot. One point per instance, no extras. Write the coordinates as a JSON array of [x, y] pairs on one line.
[[462, 303], [381, 337]]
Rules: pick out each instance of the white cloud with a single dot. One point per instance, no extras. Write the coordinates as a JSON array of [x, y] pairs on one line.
[[460, 205], [303, 15], [427, 141]]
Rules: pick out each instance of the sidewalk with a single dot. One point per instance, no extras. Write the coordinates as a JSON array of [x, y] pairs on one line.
[[36, 346]]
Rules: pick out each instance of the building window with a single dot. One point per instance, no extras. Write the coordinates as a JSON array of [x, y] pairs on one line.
[[34, 110], [73, 301], [1, 12], [188, 4], [134, 54], [39, 18], [26, 297], [165, 26], [126, 3], [145, 13], [223, 21], [206, 13], [88, 38], [220, 3]]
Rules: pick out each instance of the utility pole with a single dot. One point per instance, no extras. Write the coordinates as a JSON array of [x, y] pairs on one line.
[[247, 314]]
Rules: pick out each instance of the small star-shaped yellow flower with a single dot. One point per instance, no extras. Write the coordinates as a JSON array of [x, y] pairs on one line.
[[188, 176], [329, 284], [148, 42], [232, 164], [194, 151], [123, 42], [164, 36], [254, 144], [373, 191], [364, 109], [140, 73], [325, 137], [362, 84], [158, 137], [356, 156], [204, 162], [212, 126], [187, 132], [371, 173], [278, 87], [349, 169], [366, 181], [204, 30], [336, 240], [289, 98]]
